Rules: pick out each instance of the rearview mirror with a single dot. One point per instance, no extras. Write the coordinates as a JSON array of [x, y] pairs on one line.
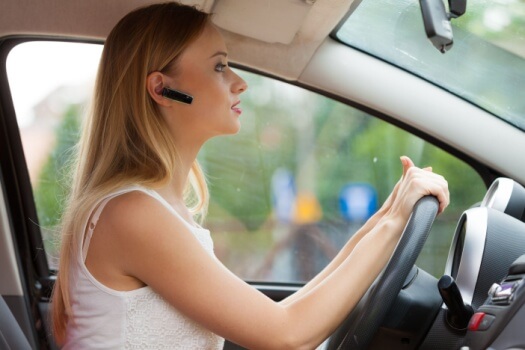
[[437, 21]]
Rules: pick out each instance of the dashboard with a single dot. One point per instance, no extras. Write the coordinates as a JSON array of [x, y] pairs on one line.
[[487, 262]]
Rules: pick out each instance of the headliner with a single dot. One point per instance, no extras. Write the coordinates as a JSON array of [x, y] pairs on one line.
[[274, 36]]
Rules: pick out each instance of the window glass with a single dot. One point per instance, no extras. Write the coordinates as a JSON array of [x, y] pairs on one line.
[[50, 85], [486, 64], [287, 192]]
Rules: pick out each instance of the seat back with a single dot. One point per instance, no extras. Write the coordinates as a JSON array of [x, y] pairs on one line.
[[11, 335]]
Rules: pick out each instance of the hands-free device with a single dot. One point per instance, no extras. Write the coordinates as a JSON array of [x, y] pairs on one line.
[[176, 95]]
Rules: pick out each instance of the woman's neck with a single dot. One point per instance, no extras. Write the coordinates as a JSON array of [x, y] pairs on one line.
[[173, 192]]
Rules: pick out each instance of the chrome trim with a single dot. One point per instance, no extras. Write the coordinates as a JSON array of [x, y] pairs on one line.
[[475, 221], [498, 194], [275, 288]]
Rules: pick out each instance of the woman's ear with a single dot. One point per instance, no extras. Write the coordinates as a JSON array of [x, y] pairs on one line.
[[154, 85]]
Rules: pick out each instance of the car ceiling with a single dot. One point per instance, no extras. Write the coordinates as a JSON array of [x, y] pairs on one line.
[[277, 36]]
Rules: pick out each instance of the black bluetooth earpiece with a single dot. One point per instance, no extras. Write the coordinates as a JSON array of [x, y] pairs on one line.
[[176, 95]]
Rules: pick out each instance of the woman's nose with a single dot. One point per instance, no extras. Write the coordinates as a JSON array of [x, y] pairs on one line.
[[239, 85]]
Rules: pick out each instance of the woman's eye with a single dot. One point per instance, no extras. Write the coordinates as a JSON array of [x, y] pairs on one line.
[[221, 67]]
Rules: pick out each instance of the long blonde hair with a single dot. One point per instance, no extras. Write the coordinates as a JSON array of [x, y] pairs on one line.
[[125, 140]]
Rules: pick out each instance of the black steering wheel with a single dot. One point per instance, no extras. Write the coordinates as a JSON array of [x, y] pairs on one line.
[[359, 328]]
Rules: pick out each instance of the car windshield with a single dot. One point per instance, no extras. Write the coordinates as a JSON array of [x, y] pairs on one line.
[[486, 64]]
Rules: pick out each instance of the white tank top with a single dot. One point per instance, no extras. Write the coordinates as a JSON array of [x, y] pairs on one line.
[[104, 318]]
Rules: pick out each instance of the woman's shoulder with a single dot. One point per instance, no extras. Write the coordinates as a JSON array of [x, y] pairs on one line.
[[126, 222], [132, 211], [129, 195], [127, 205], [139, 235]]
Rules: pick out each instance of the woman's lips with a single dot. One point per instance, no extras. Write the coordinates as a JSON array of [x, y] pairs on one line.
[[236, 109]]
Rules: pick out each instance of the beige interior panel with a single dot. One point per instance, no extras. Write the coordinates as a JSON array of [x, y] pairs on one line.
[[9, 273]]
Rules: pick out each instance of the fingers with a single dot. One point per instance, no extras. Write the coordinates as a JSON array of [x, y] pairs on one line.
[[438, 187], [414, 184], [407, 164], [424, 182], [444, 197]]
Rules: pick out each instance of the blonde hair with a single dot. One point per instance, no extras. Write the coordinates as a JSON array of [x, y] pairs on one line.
[[125, 140]]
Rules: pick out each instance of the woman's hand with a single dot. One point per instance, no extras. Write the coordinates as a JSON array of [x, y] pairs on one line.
[[406, 162], [414, 184]]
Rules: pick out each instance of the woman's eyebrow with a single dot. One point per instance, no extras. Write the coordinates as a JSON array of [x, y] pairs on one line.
[[219, 53]]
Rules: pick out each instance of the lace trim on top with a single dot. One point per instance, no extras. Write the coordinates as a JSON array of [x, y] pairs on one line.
[[153, 324]]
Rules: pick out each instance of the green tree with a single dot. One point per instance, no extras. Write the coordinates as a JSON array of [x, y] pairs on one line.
[[52, 187]]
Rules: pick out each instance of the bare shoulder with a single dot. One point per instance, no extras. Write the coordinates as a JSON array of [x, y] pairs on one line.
[[122, 228], [135, 236], [133, 201], [131, 212]]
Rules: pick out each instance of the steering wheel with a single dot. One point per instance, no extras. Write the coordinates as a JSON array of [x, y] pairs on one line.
[[359, 328]]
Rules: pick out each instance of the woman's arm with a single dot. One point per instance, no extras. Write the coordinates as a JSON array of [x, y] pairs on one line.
[[145, 241]]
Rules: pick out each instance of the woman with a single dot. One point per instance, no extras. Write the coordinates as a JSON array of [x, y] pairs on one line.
[[136, 269]]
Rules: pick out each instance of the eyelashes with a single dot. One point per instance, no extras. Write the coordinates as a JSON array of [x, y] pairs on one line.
[[221, 67]]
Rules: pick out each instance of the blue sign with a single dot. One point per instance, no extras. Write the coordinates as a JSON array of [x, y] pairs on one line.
[[283, 194], [358, 202]]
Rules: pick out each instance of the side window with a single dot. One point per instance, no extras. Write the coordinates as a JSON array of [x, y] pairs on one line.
[[50, 85], [287, 192]]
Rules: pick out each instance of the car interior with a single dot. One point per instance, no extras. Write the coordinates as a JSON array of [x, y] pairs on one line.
[[338, 89]]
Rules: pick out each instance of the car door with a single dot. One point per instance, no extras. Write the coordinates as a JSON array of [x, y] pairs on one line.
[[24, 270]]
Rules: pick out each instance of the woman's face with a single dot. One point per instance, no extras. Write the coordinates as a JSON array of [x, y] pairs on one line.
[[202, 71]]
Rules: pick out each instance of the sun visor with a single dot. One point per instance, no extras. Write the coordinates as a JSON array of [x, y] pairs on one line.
[[259, 19]]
